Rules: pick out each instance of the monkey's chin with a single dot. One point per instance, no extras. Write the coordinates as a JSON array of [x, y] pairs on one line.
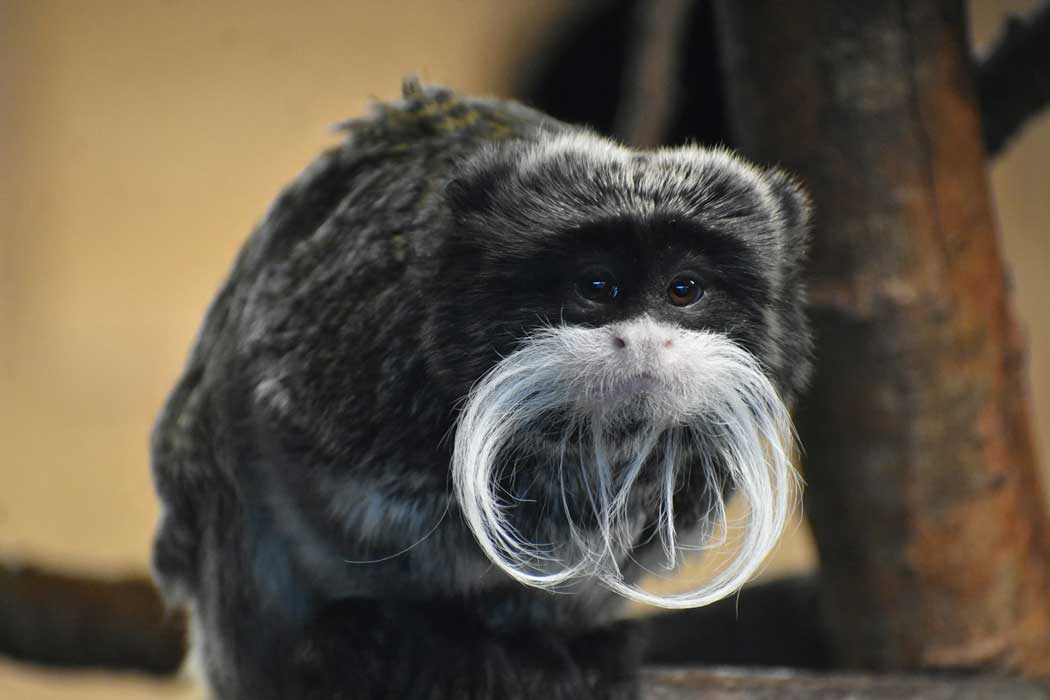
[[629, 431]]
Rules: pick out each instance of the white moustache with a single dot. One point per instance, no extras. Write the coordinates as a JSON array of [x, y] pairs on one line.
[[685, 389]]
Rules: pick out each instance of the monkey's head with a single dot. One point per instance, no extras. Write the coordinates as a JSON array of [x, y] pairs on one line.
[[628, 329]]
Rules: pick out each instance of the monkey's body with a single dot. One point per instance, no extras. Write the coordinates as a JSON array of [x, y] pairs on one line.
[[303, 461]]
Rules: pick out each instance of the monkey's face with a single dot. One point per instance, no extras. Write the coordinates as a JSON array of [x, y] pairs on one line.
[[624, 326]]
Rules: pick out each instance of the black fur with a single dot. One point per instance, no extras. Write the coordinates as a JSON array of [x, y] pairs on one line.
[[310, 431]]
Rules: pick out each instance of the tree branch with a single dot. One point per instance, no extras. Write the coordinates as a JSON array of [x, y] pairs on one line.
[[751, 684], [1014, 80], [651, 82], [61, 620], [923, 485]]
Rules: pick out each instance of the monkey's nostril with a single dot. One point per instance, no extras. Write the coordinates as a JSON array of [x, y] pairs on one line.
[[619, 342], [668, 343]]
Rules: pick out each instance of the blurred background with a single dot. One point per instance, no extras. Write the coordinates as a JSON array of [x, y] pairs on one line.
[[139, 144]]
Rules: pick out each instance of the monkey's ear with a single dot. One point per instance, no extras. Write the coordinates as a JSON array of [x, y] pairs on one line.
[[793, 225], [794, 216]]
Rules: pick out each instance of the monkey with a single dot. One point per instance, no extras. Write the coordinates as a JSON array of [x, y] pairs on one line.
[[474, 374]]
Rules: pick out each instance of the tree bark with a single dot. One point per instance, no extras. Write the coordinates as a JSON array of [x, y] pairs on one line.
[[922, 479]]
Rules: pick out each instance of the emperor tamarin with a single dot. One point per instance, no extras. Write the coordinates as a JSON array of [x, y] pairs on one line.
[[476, 372]]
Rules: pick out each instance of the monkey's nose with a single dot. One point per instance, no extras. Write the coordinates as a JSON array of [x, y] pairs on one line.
[[641, 338], [620, 342]]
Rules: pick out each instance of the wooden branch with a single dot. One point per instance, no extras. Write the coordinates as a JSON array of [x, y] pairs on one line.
[[923, 486], [651, 80], [120, 625], [1014, 80], [574, 76], [747, 684], [61, 620]]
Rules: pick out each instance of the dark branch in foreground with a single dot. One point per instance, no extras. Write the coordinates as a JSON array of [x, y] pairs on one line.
[[61, 620], [1014, 80], [752, 684], [67, 621]]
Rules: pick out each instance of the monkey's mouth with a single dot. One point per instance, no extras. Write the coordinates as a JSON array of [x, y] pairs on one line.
[[634, 401], [643, 383], [632, 389]]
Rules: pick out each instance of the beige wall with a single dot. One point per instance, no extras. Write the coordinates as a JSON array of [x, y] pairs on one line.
[[139, 142]]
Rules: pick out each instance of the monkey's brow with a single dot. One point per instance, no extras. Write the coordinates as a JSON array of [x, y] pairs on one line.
[[607, 236], [702, 237]]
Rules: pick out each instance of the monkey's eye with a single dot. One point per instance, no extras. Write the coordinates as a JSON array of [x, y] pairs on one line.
[[599, 285], [684, 290]]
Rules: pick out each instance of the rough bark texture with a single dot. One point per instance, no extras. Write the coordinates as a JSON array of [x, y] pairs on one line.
[[923, 485], [747, 684]]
